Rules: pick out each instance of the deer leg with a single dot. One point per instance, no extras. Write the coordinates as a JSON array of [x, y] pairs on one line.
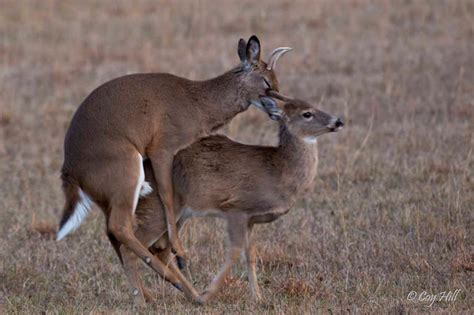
[[146, 233], [122, 229], [162, 164], [162, 249], [122, 206], [237, 231], [129, 262], [116, 245], [130, 266], [250, 255], [180, 262], [167, 252], [141, 294]]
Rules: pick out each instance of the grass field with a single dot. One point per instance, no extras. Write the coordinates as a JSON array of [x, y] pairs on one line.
[[393, 206]]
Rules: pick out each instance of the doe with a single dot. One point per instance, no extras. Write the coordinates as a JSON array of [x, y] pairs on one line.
[[243, 184]]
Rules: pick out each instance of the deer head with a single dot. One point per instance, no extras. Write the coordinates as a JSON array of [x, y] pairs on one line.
[[300, 118], [258, 77]]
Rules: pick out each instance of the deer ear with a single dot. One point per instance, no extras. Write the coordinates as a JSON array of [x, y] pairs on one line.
[[270, 106], [242, 50], [253, 50]]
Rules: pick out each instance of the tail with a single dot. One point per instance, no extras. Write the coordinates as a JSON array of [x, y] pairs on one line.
[[77, 206]]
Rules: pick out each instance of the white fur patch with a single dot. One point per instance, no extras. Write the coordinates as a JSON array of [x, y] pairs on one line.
[[145, 190], [310, 140], [80, 212], [141, 181]]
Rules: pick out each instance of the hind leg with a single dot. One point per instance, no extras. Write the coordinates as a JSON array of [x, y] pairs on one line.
[[116, 245], [120, 224], [129, 263], [145, 233], [151, 226], [130, 266], [140, 293]]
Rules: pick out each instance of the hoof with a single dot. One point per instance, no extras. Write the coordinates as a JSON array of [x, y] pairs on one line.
[[138, 300], [203, 298], [200, 301], [180, 253], [181, 262], [178, 286], [257, 295]]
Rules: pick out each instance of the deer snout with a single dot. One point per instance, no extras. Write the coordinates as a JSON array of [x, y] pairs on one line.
[[339, 123], [336, 124]]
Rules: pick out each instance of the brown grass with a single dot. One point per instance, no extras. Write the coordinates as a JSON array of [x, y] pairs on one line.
[[392, 209]]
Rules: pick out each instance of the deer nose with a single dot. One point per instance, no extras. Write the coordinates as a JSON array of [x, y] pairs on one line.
[[339, 123]]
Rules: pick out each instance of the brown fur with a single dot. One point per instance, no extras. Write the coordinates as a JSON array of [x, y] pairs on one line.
[[242, 184], [153, 116]]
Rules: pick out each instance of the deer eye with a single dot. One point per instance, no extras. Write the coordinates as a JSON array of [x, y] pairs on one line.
[[307, 115], [267, 84]]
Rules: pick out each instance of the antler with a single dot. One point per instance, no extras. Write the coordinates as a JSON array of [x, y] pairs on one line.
[[275, 55]]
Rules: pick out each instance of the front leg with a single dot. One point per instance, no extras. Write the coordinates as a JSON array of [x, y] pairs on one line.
[[162, 163], [237, 231], [251, 258]]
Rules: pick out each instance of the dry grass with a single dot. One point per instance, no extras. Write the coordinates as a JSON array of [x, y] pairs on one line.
[[392, 209]]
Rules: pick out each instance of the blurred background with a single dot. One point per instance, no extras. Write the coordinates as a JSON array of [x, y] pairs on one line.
[[392, 208]]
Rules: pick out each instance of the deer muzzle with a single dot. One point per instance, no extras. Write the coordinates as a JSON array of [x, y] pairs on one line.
[[336, 124]]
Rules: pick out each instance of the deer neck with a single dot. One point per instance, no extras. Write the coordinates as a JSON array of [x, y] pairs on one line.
[[224, 98], [298, 160]]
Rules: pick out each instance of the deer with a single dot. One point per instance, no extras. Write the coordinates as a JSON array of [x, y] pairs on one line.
[[150, 116], [243, 184]]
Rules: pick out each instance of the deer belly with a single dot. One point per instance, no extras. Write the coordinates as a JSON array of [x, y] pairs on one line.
[[189, 212], [267, 217]]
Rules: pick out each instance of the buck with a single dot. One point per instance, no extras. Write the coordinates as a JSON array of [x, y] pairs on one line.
[[243, 184], [149, 117]]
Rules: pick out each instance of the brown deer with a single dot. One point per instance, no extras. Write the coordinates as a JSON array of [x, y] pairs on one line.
[[243, 184], [149, 116]]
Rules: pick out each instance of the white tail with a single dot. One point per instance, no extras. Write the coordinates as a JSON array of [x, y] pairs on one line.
[[80, 212], [154, 115]]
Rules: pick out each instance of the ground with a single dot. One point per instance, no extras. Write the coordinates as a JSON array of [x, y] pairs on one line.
[[393, 203]]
